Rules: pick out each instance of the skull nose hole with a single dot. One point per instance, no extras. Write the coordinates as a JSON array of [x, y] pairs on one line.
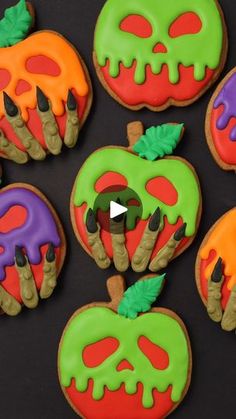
[[160, 48], [124, 365], [22, 87]]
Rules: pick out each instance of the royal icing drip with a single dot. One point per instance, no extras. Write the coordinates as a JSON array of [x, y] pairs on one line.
[[201, 50], [95, 324], [38, 229], [138, 173], [222, 240], [56, 48], [227, 98]]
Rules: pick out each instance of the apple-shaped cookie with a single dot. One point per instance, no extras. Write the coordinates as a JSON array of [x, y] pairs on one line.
[[216, 271], [45, 90], [115, 363], [152, 54], [162, 196], [221, 123], [32, 248]]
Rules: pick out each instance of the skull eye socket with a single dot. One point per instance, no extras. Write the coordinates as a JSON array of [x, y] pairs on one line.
[[14, 218], [162, 189], [96, 353], [111, 182], [136, 25], [187, 24], [157, 356], [41, 64], [5, 78]]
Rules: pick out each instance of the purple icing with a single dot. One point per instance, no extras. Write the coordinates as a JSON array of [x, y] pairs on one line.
[[227, 97], [39, 228]]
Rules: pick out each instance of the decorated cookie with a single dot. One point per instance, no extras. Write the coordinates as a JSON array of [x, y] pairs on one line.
[[161, 194], [221, 123], [116, 362], [32, 248], [45, 90], [150, 54], [216, 271]]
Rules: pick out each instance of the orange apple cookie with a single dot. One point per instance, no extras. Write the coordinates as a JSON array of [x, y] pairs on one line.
[[123, 359], [221, 123], [32, 248], [45, 90], [216, 271], [161, 196], [154, 55]]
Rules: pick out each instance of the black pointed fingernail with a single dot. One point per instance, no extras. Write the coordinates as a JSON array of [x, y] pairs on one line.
[[42, 100], [91, 222], [71, 101], [10, 107], [155, 220], [218, 271], [20, 257], [180, 233], [50, 255]]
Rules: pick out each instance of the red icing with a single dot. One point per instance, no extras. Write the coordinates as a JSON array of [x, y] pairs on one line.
[[204, 281], [118, 404], [157, 89], [110, 179], [137, 25], [160, 48], [225, 148], [132, 237], [162, 189], [124, 365], [42, 65], [13, 218], [35, 126], [5, 78], [22, 87], [96, 353], [157, 356], [34, 123], [11, 283], [187, 23]]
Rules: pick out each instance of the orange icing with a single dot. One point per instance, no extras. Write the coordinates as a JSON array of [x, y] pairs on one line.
[[222, 239], [54, 46]]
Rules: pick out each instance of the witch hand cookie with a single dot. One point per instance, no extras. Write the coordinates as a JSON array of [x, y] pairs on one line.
[[123, 359], [150, 54], [161, 194], [45, 90], [221, 123], [216, 271], [32, 248]]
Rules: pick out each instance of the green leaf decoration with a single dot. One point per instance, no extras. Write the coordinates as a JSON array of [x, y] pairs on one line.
[[139, 298], [159, 141], [15, 24]]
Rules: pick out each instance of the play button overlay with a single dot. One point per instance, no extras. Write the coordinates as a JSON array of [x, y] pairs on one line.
[[118, 204], [116, 209]]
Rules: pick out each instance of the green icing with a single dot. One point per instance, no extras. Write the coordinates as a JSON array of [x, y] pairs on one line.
[[200, 50], [15, 25], [158, 141], [96, 324], [139, 298], [138, 172]]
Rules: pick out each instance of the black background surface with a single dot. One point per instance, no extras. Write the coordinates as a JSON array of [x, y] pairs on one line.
[[29, 386]]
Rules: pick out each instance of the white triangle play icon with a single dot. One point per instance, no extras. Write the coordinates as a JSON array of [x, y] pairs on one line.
[[116, 209]]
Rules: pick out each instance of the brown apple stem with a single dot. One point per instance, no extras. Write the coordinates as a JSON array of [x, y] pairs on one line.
[[134, 131], [116, 289]]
